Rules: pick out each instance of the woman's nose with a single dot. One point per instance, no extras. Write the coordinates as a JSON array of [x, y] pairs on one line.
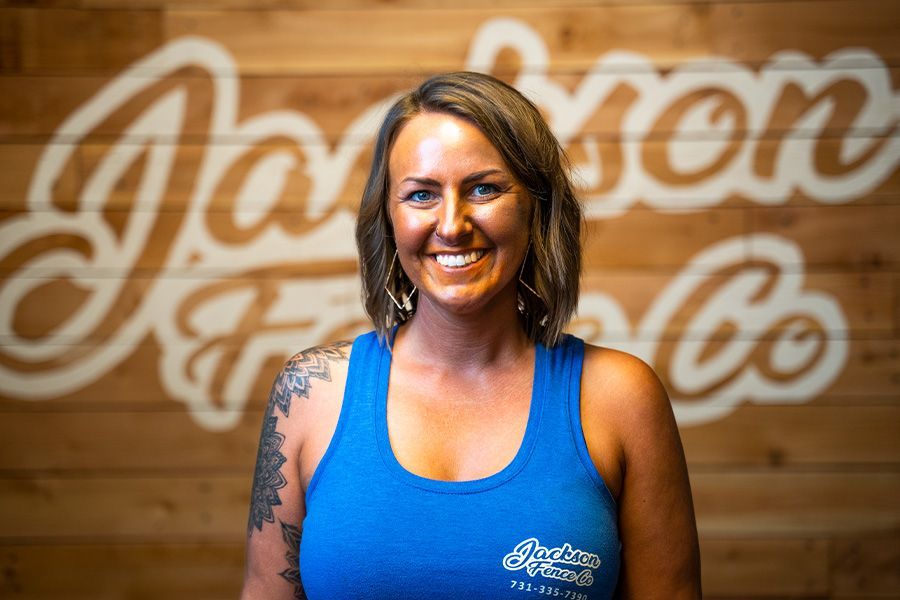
[[454, 222]]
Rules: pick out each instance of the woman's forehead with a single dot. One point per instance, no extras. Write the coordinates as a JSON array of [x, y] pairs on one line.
[[441, 142]]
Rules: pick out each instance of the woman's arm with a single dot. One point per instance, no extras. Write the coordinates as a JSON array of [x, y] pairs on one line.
[[660, 552], [310, 380]]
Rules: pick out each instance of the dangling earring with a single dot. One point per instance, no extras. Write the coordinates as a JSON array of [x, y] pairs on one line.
[[522, 306], [522, 280], [406, 307]]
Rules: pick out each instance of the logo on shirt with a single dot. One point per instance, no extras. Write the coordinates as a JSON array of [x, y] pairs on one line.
[[563, 562]]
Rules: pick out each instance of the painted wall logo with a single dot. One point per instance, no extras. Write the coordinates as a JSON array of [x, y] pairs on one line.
[[564, 563], [223, 286]]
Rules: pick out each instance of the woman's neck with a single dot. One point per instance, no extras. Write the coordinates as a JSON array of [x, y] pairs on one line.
[[446, 340]]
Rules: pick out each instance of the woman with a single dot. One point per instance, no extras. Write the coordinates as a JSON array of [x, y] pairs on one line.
[[468, 448]]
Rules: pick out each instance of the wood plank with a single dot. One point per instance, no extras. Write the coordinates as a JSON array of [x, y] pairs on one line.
[[277, 156], [125, 442], [62, 40], [870, 376], [134, 385], [187, 303], [17, 166], [866, 566], [668, 34], [741, 173], [195, 508], [623, 242], [203, 571], [742, 31], [314, 245], [847, 236], [865, 299], [872, 371], [749, 568], [35, 106], [788, 502], [345, 41], [719, 391], [791, 436]]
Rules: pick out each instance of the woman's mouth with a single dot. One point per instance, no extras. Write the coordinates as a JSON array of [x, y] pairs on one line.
[[455, 261]]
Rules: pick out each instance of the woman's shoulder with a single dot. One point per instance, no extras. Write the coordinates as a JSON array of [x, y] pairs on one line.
[[626, 416], [623, 386], [311, 380], [316, 371]]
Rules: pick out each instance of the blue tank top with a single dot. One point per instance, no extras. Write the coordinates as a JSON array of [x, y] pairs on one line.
[[543, 526]]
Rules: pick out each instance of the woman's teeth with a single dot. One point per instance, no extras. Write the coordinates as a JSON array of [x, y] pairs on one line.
[[459, 260]]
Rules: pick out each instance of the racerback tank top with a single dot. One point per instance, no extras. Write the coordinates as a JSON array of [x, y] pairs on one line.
[[543, 526]]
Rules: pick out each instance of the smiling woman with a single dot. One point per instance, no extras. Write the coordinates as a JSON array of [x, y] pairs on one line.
[[495, 142], [468, 448]]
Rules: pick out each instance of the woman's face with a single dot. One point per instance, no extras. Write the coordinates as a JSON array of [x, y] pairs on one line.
[[461, 220]]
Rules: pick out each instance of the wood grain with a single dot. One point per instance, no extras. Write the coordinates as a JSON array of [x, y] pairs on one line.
[[668, 34], [189, 507], [849, 436], [32, 107], [341, 41], [848, 236], [867, 566], [795, 568], [792, 502], [205, 571]]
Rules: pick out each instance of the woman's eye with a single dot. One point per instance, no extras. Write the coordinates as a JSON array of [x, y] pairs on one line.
[[485, 189], [420, 196]]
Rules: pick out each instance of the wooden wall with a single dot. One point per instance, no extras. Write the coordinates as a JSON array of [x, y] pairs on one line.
[[177, 183]]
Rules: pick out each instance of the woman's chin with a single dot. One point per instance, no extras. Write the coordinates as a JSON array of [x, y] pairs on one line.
[[464, 303]]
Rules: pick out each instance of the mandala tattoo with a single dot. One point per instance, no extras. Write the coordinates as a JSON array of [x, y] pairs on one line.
[[267, 476], [291, 535], [293, 380]]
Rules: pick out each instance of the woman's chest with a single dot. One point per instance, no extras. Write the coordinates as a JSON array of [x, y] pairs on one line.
[[553, 537], [453, 432]]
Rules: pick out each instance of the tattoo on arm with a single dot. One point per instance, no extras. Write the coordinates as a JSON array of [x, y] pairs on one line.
[[293, 380], [291, 535]]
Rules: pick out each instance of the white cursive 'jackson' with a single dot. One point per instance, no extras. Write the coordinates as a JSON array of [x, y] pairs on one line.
[[540, 560]]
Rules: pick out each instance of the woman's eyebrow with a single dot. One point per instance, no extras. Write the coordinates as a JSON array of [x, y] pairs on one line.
[[479, 174], [422, 180], [467, 179]]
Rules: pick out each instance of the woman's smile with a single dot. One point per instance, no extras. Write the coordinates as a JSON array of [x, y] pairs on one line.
[[457, 261]]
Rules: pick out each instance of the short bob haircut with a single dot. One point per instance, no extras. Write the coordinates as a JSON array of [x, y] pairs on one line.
[[513, 124]]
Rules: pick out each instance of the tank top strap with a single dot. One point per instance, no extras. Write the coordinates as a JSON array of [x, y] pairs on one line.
[[562, 394], [562, 442], [356, 422]]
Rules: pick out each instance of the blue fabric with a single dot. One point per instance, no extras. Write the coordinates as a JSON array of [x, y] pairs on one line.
[[545, 525]]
